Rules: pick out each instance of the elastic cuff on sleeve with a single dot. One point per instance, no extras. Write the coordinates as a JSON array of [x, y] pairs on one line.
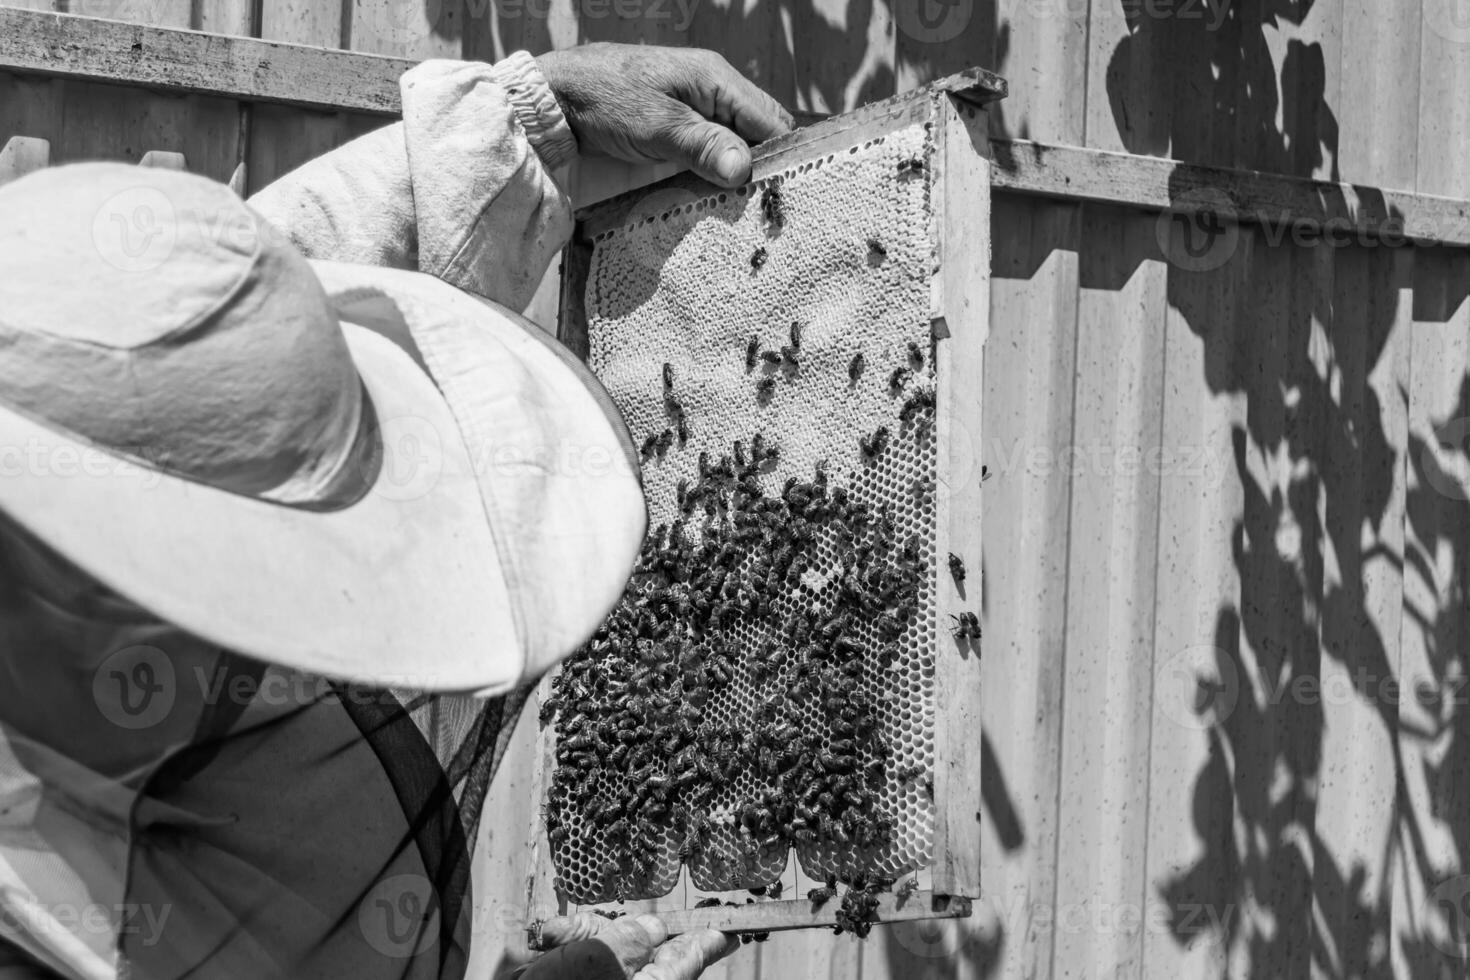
[[537, 109]]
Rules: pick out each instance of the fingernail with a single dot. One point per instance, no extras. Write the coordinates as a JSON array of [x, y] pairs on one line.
[[654, 926], [730, 165]]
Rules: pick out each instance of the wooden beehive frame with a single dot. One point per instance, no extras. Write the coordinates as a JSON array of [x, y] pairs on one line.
[[953, 108]]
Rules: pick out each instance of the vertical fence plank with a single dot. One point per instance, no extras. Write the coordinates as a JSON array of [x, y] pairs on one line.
[[1359, 623], [938, 39], [22, 154], [755, 37], [1444, 112], [1379, 108], [1125, 69], [1041, 49], [1112, 464], [1190, 804], [1029, 365], [314, 22], [417, 29], [1429, 924]]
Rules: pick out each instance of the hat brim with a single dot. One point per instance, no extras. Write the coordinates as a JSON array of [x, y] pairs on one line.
[[401, 588]]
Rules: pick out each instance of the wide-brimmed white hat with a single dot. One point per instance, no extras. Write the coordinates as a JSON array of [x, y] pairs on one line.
[[351, 471]]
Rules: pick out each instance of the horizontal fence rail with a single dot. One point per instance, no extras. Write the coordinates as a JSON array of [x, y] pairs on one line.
[[169, 59], [253, 70]]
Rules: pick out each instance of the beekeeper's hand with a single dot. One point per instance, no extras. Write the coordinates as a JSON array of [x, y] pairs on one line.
[[644, 103], [590, 947]]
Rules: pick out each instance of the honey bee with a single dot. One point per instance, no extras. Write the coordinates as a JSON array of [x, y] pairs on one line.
[[765, 387], [911, 165], [873, 446], [668, 378], [898, 379], [876, 251], [758, 258], [773, 205], [795, 335], [752, 351], [650, 445], [967, 626], [916, 356], [957, 568], [855, 367]]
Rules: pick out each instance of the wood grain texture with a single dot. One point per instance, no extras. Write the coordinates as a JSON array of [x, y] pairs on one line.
[[960, 311], [1379, 107], [21, 155], [185, 61], [1030, 361], [1111, 572], [1444, 114], [1436, 522], [1345, 214], [1190, 804], [962, 322]]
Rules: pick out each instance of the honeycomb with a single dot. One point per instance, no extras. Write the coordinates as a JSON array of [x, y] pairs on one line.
[[738, 317]]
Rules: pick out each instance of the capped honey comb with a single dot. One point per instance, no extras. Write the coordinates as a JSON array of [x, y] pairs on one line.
[[794, 313]]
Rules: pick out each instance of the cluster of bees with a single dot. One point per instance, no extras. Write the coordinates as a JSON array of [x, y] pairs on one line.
[[657, 749], [637, 749], [640, 753]]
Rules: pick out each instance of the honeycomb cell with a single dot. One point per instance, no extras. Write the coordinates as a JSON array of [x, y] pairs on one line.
[[681, 289]]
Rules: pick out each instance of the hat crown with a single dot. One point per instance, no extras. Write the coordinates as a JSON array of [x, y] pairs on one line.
[[151, 312]]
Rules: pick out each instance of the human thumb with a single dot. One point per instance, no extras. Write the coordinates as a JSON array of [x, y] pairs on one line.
[[710, 150], [589, 947]]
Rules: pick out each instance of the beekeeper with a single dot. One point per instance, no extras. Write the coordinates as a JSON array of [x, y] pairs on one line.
[[290, 501]]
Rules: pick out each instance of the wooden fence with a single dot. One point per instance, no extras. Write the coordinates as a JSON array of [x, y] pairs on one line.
[[1227, 543]]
